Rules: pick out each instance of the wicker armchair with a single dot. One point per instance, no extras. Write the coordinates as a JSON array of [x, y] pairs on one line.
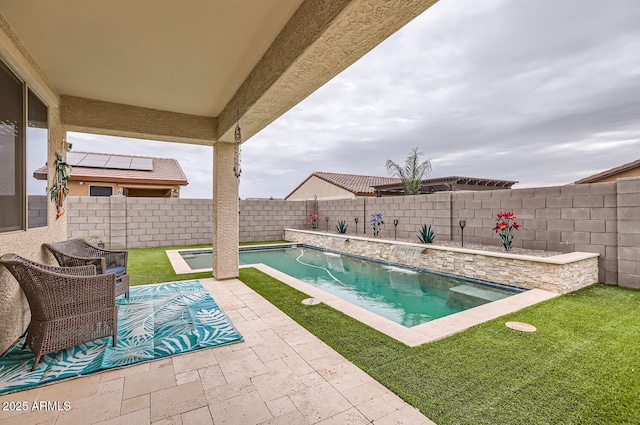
[[69, 305], [77, 252]]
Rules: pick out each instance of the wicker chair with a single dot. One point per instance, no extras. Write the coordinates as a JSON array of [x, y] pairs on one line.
[[69, 305], [77, 252]]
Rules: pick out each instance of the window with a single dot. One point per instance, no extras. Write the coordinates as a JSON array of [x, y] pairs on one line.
[[12, 193], [100, 191], [37, 148], [23, 200]]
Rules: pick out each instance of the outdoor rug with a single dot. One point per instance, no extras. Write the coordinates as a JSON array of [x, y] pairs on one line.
[[156, 321]]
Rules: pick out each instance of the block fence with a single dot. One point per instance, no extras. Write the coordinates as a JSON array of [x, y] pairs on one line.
[[603, 218]]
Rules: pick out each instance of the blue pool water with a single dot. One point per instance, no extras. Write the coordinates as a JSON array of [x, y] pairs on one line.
[[406, 296]]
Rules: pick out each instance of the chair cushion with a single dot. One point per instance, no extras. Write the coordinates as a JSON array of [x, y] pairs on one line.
[[117, 270]]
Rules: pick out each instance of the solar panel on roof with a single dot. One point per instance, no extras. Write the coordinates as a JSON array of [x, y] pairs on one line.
[[94, 160], [74, 159], [114, 162], [119, 162], [95, 163], [144, 164]]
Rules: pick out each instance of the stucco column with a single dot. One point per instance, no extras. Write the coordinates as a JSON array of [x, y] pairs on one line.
[[225, 212]]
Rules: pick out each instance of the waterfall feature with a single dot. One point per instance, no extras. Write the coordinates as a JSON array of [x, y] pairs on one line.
[[408, 254], [337, 244], [334, 262]]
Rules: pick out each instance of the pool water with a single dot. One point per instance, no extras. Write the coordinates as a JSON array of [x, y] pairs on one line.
[[403, 295]]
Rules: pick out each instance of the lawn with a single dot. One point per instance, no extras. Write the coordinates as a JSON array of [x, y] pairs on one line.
[[582, 366], [151, 265]]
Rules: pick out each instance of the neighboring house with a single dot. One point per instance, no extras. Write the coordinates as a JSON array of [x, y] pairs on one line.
[[337, 186], [97, 174], [347, 186], [631, 169]]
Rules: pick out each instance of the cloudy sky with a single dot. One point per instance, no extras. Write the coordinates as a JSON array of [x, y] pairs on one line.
[[543, 92]]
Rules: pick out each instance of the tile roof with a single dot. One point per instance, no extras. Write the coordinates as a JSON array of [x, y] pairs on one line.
[[610, 172], [354, 183], [165, 171]]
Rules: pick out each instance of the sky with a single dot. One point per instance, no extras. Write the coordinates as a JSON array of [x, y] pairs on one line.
[[543, 92]]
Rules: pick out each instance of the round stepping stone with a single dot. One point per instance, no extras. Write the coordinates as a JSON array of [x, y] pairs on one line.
[[522, 327], [311, 301]]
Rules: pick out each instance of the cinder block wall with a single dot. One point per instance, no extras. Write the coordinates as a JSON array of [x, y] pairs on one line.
[[89, 218], [562, 218], [139, 222], [153, 222], [410, 211], [38, 210], [263, 219], [629, 232], [602, 218]]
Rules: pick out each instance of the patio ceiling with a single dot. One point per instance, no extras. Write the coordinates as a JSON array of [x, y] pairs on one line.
[[128, 67]]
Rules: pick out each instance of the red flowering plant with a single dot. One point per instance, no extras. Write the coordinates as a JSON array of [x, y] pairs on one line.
[[313, 218], [505, 225]]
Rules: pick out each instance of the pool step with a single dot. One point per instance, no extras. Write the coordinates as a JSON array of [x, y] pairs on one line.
[[466, 295]]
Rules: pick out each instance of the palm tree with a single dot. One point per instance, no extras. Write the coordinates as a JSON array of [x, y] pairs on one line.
[[412, 173]]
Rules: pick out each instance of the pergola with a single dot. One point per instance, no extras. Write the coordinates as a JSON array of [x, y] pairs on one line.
[[179, 71], [451, 183]]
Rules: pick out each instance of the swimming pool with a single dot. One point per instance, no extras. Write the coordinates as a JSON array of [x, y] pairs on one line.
[[406, 296]]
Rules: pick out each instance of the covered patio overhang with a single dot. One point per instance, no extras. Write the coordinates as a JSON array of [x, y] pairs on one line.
[[180, 72], [188, 72]]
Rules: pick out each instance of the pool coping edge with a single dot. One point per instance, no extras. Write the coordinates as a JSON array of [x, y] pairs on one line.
[[426, 332]]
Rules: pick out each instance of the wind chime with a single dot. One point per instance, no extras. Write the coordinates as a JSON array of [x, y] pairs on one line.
[[238, 140]]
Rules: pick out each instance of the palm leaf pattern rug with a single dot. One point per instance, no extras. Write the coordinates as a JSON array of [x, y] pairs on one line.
[[155, 321]]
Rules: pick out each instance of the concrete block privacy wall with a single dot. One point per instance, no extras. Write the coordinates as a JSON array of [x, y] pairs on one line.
[[629, 232], [602, 218], [152, 222], [37, 211], [140, 222]]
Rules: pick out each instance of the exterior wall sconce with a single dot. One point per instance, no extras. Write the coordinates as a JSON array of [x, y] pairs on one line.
[[101, 244], [356, 220], [462, 224], [327, 220], [395, 228]]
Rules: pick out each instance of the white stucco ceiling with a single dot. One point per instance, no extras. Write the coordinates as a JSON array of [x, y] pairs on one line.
[[187, 56]]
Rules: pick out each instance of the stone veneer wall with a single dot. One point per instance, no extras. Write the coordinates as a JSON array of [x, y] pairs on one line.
[[560, 274], [583, 218]]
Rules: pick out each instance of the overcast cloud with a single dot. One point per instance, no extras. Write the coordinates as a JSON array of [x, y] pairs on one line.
[[542, 92]]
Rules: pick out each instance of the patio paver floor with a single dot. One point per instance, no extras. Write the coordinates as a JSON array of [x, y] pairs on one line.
[[281, 374]]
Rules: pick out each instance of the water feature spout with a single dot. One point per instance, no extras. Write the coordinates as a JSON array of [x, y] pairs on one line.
[[410, 254], [337, 243]]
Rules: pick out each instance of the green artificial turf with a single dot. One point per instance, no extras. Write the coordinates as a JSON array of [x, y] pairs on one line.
[[151, 265], [582, 366]]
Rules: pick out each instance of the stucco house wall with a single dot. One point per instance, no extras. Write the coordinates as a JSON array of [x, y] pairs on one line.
[[628, 170], [15, 315], [635, 172], [321, 188], [77, 188]]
